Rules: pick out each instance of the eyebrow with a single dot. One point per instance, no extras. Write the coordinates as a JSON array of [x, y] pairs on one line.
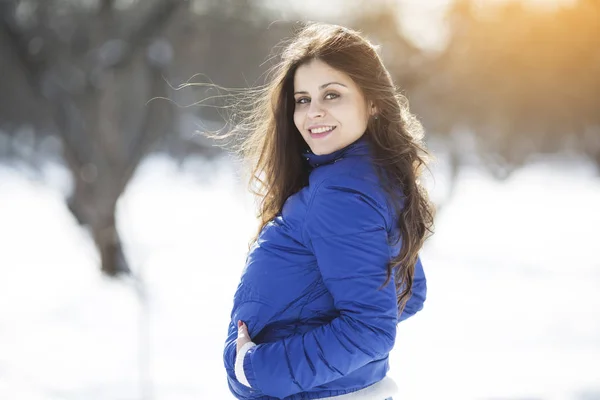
[[324, 86]]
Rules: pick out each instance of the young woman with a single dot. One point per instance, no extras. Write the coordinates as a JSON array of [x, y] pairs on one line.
[[335, 264]]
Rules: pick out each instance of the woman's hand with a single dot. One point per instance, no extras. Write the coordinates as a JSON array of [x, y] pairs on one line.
[[243, 336], [243, 345]]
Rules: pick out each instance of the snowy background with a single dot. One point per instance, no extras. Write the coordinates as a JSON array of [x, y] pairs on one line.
[[513, 310]]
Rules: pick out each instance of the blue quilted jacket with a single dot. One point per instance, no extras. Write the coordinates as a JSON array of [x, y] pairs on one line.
[[309, 292]]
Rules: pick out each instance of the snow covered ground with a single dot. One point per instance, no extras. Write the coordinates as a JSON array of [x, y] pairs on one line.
[[513, 310]]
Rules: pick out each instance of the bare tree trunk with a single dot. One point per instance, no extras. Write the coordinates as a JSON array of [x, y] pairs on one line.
[[109, 246], [94, 205], [106, 128]]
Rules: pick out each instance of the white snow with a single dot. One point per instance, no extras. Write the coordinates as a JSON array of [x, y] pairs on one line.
[[513, 310]]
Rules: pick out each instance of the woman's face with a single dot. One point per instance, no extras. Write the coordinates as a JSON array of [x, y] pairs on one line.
[[330, 110]]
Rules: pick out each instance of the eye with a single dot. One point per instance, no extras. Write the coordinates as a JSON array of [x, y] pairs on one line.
[[331, 96], [302, 100]]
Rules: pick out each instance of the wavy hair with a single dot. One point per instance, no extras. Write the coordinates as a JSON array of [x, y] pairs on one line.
[[273, 145]]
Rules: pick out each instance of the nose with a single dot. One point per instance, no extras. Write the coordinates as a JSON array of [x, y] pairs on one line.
[[315, 110]]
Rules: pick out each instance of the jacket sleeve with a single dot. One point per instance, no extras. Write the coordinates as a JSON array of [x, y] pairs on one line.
[[229, 351], [419, 293], [346, 229]]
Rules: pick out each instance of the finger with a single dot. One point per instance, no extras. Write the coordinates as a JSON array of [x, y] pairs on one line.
[[242, 330]]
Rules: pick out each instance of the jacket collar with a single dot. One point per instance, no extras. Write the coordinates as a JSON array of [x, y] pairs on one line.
[[357, 148]]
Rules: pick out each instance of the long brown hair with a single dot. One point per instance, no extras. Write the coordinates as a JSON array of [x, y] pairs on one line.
[[274, 146]]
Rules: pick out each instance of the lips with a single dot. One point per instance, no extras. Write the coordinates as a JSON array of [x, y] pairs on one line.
[[319, 132], [316, 130]]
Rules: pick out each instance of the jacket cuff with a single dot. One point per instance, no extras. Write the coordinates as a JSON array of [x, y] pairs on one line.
[[248, 370], [240, 364]]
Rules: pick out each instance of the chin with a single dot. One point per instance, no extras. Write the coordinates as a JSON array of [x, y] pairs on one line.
[[321, 150], [322, 147]]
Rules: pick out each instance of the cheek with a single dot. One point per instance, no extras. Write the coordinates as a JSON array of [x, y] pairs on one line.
[[352, 113], [360, 115]]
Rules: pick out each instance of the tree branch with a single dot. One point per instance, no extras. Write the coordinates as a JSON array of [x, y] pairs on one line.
[[45, 110], [106, 6], [154, 20], [14, 42], [159, 116]]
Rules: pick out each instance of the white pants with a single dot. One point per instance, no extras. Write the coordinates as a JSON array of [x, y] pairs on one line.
[[383, 389]]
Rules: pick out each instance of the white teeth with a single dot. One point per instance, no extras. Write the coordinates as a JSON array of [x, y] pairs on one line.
[[321, 130]]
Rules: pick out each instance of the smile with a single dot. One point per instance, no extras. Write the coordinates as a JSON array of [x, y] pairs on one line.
[[321, 129]]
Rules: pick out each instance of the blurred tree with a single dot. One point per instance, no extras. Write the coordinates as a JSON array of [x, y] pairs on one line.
[[90, 70], [525, 80], [80, 74], [83, 72]]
